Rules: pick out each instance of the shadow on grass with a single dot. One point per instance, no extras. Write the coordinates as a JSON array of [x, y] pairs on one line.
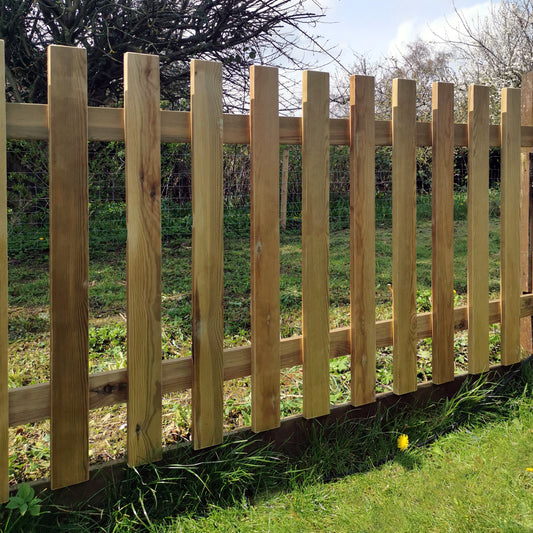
[[191, 483]]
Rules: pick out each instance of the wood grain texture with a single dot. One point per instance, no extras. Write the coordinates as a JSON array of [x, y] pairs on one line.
[[526, 207], [442, 234], [478, 229], [404, 235], [69, 265], [315, 243], [207, 252], [143, 215], [32, 402], [510, 226], [4, 342], [264, 257], [362, 240], [284, 187]]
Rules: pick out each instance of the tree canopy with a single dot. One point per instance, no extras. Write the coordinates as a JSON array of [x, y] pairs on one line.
[[235, 32]]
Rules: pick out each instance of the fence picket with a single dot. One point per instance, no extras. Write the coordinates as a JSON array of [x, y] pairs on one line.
[[264, 198], [478, 229], [207, 252], [526, 207], [404, 235], [69, 265], [4, 342], [510, 226], [442, 223], [315, 243], [362, 240], [143, 212]]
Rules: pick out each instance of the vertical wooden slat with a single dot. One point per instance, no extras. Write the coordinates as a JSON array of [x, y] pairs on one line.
[[315, 243], [478, 229], [69, 265], [362, 240], [404, 235], [442, 248], [264, 182], [4, 344], [143, 211], [284, 187], [526, 212], [510, 226], [207, 252]]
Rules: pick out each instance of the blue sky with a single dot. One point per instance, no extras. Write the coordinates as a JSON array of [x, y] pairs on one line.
[[378, 28]]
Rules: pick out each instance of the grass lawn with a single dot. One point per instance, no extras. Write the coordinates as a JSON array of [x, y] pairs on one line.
[[472, 480]]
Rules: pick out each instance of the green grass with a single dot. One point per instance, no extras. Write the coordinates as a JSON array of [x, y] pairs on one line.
[[464, 470]]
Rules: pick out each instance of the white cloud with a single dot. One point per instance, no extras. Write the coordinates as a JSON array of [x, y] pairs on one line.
[[438, 30]]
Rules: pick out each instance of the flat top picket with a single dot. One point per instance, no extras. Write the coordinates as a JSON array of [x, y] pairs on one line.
[[478, 228], [404, 235], [207, 252], [143, 212], [510, 226], [264, 198], [362, 240], [442, 230], [69, 265], [315, 243]]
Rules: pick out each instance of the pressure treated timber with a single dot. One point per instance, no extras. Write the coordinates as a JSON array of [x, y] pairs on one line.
[[362, 240], [31, 403], [28, 121], [315, 243], [69, 265], [284, 187], [442, 232], [526, 207], [207, 252], [404, 235], [264, 257], [4, 341], [478, 228], [510, 226], [143, 248]]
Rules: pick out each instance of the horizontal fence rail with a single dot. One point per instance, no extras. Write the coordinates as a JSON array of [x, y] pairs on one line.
[[29, 121], [72, 392]]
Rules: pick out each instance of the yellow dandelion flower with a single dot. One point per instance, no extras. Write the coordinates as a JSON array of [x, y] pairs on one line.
[[529, 469], [403, 442], [41, 238]]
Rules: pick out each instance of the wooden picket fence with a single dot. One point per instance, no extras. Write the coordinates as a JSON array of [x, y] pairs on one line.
[[68, 124]]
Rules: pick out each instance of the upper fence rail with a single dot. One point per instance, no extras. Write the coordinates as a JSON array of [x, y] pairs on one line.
[[30, 122]]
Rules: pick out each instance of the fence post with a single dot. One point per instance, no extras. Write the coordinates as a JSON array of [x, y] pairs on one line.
[[69, 265], [4, 344], [404, 235], [478, 229], [362, 239], [526, 212], [143, 217], [284, 186], [264, 198]]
